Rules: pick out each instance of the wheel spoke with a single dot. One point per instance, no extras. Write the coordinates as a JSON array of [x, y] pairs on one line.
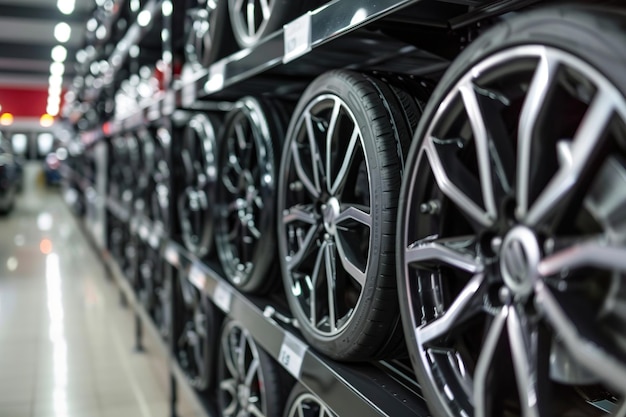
[[305, 246], [265, 8], [481, 139], [230, 386], [539, 88], [332, 124], [348, 258], [446, 251], [342, 174], [241, 352], [252, 370], [586, 141], [483, 366], [316, 274], [300, 214], [590, 254], [250, 17], [331, 274], [596, 360], [255, 411], [355, 213], [462, 200], [311, 184], [466, 305], [523, 340], [239, 5], [229, 352]]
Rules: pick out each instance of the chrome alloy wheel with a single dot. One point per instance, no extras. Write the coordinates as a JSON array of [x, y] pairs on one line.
[[198, 156], [305, 404], [325, 223], [249, 19], [512, 234], [242, 389]]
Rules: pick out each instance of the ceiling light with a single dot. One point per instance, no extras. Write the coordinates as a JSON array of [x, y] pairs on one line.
[[62, 32], [54, 101], [59, 53], [46, 120], [167, 8], [57, 68], [144, 18], [55, 80], [52, 110], [6, 119], [54, 90], [66, 6]]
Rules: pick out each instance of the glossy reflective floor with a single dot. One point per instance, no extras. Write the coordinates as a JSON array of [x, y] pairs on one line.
[[66, 345]]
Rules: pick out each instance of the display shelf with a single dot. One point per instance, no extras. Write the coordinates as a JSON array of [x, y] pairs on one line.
[[322, 39], [365, 389]]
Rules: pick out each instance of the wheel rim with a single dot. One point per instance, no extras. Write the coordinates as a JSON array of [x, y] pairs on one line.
[[510, 221], [242, 389], [193, 341], [159, 202], [325, 215], [200, 176], [245, 195], [249, 19], [308, 405], [199, 42]]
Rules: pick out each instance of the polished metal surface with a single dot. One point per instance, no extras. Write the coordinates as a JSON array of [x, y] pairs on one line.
[[65, 343]]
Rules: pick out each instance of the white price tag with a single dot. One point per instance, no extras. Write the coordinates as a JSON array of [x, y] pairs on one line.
[[297, 37], [172, 256], [291, 355], [216, 76], [197, 277], [222, 297]]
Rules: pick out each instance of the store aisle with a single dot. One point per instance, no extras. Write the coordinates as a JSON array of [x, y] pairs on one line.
[[65, 342]]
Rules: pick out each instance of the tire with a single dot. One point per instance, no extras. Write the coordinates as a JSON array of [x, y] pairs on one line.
[[245, 231], [197, 340], [278, 13], [301, 403], [198, 157], [208, 31], [511, 222], [345, 229], [234, 391]]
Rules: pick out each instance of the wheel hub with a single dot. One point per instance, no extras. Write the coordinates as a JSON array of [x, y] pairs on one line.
[[330, 212], [519, 260]]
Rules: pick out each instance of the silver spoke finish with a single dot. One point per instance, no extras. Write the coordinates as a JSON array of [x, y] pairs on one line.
[[332, 124], [587, 139], [342, 174], [540, 85], [592, 254], [352, 269], [294, 260], [465, 305], [311, 184], [265, 8], [254, 410], [523, 340], [331, 274], [250, 17], [434, 251], [319, 261], [597, 361], [454, 193], [481, 374], [356, 214], [299, 214], [481, 139], [230, 386]]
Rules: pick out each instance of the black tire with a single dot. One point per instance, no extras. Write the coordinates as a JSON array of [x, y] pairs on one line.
[[352, 220], [245, 230], [208, 31], [198, 157], [458, 290], [266, 385], [197, 340], [279, 12], [301, 403]]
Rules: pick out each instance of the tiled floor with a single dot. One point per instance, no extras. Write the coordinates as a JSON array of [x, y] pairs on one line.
[[66, 345]]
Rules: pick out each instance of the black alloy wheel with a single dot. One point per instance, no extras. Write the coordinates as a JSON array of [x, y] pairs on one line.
[[198, 155], [208, 32], [160, 181], [249, 381], [197, 340], [302, 403], [338, 193], [245, 230], [512, 232]]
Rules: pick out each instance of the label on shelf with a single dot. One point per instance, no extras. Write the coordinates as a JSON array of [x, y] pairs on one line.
[[171, 255], [197, 276], [291, 354], [216, 76], [222, 297], [297, 37]]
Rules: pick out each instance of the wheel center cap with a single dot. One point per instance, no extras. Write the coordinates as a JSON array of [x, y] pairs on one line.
[[519, 260], [330, 212]]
